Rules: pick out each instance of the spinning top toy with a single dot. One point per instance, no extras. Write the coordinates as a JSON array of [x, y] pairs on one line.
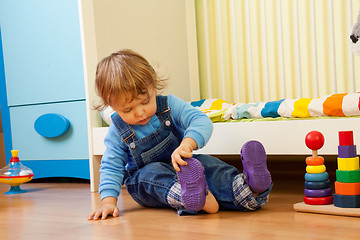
[[15, 174]]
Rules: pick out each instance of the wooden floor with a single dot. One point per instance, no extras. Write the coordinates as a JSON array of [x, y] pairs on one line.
[[59, 210]]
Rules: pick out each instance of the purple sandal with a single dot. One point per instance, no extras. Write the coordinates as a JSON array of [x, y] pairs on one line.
[[193, 184], [253, 158]]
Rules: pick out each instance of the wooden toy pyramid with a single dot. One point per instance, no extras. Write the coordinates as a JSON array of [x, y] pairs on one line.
[[318, 189], [347, 184], [345, 204]]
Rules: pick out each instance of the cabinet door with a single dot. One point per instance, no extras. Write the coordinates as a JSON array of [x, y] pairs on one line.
[[66, 155], [71, 145], [42, 51]]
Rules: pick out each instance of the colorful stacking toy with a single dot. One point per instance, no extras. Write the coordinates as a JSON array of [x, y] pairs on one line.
[[317, 185], [347, 184], [15, 174]]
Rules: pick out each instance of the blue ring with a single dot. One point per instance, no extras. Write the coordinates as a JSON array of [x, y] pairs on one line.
[[317, 185], [316, 177]]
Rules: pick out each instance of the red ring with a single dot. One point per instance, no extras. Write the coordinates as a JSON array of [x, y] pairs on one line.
[[319, 200]]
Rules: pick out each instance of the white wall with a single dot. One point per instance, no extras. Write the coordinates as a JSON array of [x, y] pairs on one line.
[[161, 30]]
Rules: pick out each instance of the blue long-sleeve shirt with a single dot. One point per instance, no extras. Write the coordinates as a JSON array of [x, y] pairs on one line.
[[189, 121]]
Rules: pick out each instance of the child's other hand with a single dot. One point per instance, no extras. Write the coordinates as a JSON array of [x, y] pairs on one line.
[[108, 207], [185, 150], [103, 212]]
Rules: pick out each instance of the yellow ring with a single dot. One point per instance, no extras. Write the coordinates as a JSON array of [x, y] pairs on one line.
[[316, 169]]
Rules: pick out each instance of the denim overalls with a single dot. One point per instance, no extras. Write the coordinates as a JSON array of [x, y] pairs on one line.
[[153, 182]]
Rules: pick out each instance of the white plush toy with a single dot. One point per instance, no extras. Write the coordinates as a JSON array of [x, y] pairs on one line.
[[106, 114], [354, 37]]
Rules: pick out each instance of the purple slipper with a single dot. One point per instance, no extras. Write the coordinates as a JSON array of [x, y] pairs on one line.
[[253, 158], [193, 184]]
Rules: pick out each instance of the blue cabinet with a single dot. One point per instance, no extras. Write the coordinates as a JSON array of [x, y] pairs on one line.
[[42, 51], [44, 74]]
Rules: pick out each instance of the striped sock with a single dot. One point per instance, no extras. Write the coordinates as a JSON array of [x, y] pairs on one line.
[[243, 195]]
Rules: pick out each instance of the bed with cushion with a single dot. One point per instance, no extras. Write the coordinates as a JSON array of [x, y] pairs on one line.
[[281, 126]]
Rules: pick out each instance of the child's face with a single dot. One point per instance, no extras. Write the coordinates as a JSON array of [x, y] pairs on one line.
[[139, 111]]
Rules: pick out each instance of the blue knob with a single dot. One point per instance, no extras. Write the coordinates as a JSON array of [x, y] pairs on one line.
[[51, 125]]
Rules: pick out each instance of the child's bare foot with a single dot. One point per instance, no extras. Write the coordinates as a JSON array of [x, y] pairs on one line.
[[211, 205]]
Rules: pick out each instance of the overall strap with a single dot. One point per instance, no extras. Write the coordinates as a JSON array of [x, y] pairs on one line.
[[127, 134], [163, 110]]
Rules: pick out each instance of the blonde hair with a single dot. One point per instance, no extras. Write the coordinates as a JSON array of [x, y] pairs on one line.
[[125, 74]]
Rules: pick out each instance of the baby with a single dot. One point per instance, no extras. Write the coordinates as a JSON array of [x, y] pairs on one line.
[[150, 144]]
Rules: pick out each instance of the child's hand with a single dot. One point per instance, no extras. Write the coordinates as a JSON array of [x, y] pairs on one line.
[[185, 150], [103, 212], [108, 207]]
